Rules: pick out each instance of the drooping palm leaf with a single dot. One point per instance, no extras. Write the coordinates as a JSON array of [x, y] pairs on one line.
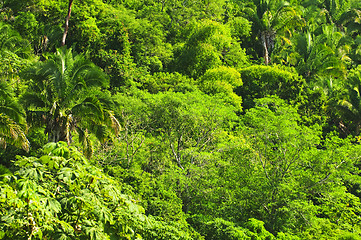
[[12, 41], [89, 108], [8, 105], [11, 132], [11, 118], [114, 123], [84, 138], [64, 94]]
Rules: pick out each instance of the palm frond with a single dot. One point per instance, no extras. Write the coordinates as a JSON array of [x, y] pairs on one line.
[[101, 132], [83, 76], [31, 99], [12, 112], [64, 95], [350, 105], [57, 76], [86, 71], [351, 16], [87, 145], [8, 103], [12, 133], [115, 125], [348, 109], [12, 41], [36, 118], [89, 108]]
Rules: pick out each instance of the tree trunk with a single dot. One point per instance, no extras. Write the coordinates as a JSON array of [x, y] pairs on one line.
[[268, 42], [358, 128], [67, 23], [56, 130], [265, 48]]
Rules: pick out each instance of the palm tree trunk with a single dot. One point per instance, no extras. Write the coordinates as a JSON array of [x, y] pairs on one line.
[[67, 23], [358, 127], [56, 130], [265, 48]]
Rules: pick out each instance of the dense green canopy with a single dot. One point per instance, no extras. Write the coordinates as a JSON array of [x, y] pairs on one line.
[[173, 119]]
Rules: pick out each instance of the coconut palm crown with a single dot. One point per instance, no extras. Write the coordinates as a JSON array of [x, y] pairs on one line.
[[65, 95], [272, 19]]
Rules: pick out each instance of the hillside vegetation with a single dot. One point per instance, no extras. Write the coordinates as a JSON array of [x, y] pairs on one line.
[[180, 119]]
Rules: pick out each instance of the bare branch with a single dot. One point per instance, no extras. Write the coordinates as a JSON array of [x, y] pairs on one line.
[[67, 23]]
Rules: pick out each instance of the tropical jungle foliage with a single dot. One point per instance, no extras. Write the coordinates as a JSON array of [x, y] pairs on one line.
[[172, 119]]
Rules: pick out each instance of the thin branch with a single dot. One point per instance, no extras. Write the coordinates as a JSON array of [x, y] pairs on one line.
[[67, 23]]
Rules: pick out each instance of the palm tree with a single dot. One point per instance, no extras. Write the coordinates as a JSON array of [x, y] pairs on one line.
[[13, 50], [350, 106], [325, 54], [338, 11], [11, 118], [65, 95], [352, 20], [10, 40], [272, 19]]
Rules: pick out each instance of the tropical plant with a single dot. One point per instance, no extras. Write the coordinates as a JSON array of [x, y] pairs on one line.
[[12, 116], [222, 81], [260, 81], [10, 40], [323, 55], [335, 11], [209, 45], [350, 105], [61, 196], [272, 20], [14, 52], [278, 141], [64, 95]]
